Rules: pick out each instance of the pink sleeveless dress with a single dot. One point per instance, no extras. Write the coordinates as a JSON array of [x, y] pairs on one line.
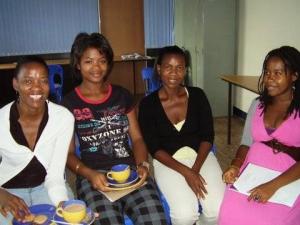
[[235, 208]]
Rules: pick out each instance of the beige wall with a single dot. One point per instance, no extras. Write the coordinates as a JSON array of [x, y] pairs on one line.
[[263, 25]]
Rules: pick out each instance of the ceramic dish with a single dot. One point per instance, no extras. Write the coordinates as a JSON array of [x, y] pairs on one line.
[[132, 178], [131, 186], [41, 209]]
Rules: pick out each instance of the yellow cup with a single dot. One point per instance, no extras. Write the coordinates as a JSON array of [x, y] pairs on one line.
[[120, 173], [73, 211]]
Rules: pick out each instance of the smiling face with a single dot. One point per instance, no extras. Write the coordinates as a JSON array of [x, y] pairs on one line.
[[172, 70], [278, 80], [93, 66], [32, 85]]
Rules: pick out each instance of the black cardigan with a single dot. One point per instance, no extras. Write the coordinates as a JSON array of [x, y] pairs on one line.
[[160, 134]]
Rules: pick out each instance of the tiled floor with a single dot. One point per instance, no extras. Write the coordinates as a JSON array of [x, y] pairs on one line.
[[225, 152]]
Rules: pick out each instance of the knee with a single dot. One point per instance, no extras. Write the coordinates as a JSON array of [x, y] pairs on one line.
[[184, 217], [211, 207], [211, 211], [207, 220], [183, 221]]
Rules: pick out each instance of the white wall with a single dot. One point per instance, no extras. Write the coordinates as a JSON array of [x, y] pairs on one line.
[[207, 29], [262, 26], [193, 42]]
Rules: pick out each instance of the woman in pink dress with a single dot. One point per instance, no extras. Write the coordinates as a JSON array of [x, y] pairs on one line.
[[275, 134]]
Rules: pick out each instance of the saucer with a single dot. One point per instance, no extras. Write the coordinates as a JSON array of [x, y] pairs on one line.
[[40, 209], [132, 178], [89, 218]]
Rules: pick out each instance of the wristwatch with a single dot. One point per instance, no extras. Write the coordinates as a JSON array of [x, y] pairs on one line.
[[144, 164]]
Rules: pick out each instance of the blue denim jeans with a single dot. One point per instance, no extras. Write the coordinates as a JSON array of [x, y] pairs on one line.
[[32, 196]]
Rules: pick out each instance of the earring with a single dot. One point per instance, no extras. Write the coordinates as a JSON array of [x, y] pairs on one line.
[[17, 97]]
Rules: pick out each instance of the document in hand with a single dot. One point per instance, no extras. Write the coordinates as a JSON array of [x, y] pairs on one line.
[[254, 175]]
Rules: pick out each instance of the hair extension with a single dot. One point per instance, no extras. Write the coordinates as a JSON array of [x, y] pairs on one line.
[[290, 57]]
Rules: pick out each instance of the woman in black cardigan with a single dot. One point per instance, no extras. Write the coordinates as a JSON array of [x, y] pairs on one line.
[[177, 125]]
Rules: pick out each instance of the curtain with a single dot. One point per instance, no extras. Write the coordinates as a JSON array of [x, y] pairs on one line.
[[44, 26], [158, 23]]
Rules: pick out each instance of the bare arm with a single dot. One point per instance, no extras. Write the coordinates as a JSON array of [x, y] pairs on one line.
[[264, 192], [231, 174], [138, 144], [202, 154], [139, 148], [97, 179], [292, 174]]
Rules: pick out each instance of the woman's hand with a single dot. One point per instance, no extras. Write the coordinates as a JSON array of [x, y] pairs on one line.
[[262, 193], [196, 182], [98, 180], [13, 204], [230, 175], [142, 173]]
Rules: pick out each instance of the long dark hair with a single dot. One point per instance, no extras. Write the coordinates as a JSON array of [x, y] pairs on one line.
[[84, 41], [290, 57]]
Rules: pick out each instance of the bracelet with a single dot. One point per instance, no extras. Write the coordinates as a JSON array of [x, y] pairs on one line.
[[77, 167], [234, 167], [144, 164]]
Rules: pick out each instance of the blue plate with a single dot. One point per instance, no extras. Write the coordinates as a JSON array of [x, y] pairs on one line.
[[132, 179], [44, 209], [89, 218]]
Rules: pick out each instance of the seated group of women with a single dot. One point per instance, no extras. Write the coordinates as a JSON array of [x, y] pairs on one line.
[[174, 123]]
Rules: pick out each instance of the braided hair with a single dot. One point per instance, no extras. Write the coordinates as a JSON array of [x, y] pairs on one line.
[[290, 57]]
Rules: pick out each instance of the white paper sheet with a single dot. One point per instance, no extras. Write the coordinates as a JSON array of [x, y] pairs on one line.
[[254, 175]]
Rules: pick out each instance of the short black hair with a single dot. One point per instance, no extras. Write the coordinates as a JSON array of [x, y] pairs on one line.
[[84, 41], [168, 50], [29, 59], [172, 50], [290, 57]]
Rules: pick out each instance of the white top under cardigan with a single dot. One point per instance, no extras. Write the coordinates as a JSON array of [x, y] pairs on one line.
[[51, 150]]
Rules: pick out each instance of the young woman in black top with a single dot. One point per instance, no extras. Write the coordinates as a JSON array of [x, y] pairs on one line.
[[108, 134], [177, 125]]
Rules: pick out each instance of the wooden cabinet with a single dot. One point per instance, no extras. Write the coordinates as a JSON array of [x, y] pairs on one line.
[[122, 23]]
